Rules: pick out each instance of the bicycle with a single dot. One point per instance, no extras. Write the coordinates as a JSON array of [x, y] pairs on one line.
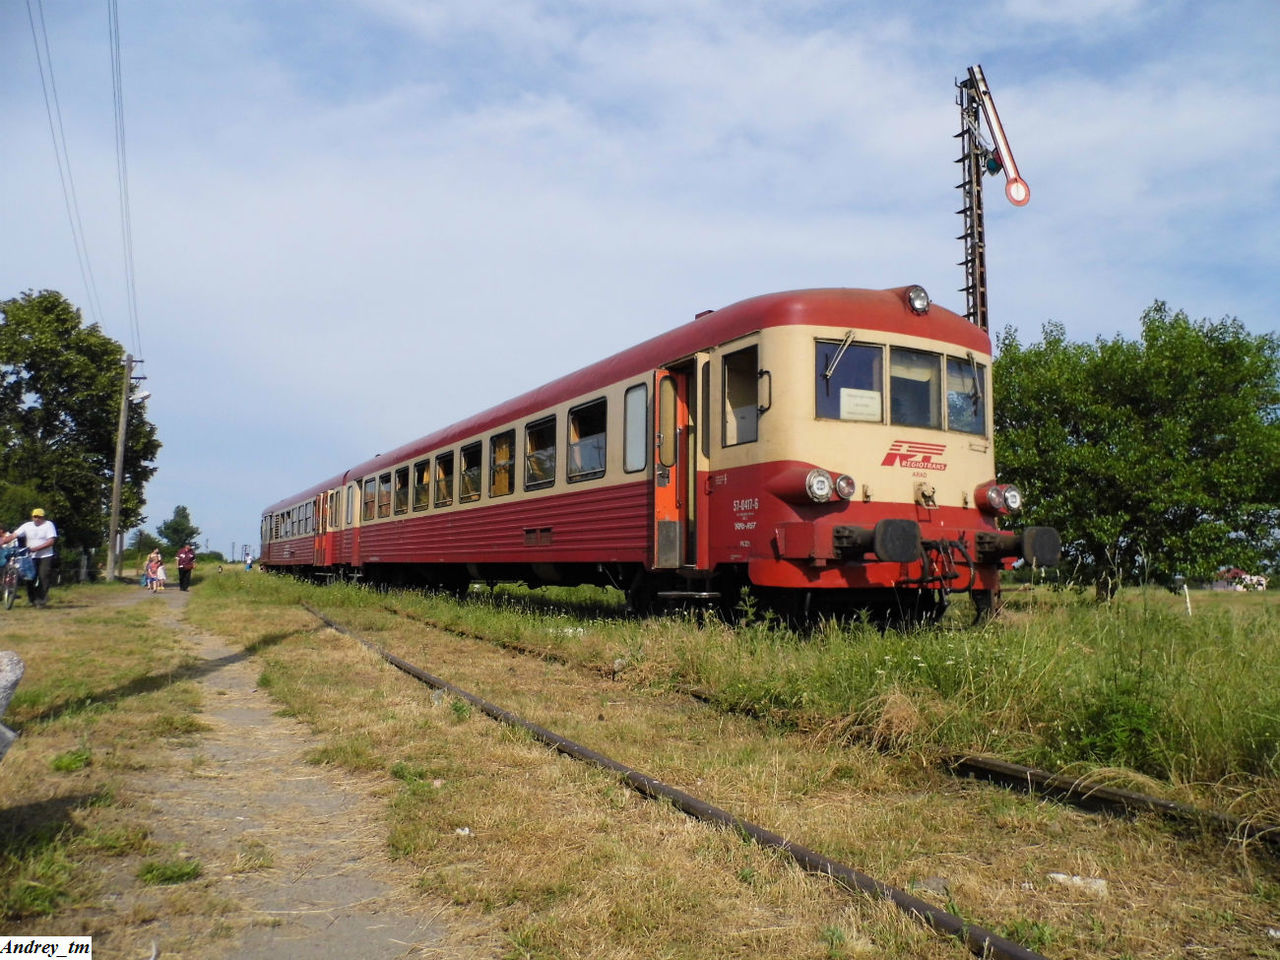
[[12, 577]]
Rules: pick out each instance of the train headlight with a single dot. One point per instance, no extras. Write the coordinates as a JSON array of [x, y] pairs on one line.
[[846, 487], [999, 498], [995, 498], [918, 299], [818, 485], [1012, 498]]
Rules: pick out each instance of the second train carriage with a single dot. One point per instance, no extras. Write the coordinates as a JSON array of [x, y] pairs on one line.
[[830, 449]]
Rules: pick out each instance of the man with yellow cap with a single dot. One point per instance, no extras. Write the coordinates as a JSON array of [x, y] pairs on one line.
[[38, 534]]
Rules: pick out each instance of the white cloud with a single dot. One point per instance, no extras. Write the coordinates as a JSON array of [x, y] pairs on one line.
[[1075, 13], [367, 221]]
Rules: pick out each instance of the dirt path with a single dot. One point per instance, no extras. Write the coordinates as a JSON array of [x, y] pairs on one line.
[[293, 854]]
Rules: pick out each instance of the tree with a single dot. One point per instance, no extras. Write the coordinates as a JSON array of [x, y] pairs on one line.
[[178, 531], [1152, 458], [142, 542], [60, 384]]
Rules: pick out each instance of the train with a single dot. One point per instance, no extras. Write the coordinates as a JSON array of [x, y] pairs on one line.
[[823, 452]]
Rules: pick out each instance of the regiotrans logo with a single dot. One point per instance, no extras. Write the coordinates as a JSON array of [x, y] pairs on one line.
[[915, 456]]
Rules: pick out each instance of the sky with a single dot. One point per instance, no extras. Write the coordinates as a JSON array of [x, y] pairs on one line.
[[355, 222]]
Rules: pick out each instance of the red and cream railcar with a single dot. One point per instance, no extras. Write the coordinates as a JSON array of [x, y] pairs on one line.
[[830, 449]]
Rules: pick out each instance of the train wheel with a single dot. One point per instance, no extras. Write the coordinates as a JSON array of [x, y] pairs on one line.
[[986, 604], [913, 609], [729, 605], [641, 601]]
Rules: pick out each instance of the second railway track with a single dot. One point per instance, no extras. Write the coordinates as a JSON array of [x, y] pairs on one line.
[[1086, 792], [606, 674]]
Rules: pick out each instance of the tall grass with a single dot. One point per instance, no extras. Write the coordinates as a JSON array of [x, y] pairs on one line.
[[1136, 684], [1057, 680]]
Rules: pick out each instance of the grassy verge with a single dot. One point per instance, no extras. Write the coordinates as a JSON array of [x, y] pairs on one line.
[[1171, 702], [102, 684], [570, 864]]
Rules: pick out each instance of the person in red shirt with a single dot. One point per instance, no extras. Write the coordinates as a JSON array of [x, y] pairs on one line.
[[186, 563]]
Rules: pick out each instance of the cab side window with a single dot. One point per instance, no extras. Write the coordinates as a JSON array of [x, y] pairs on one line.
[[741, 396]]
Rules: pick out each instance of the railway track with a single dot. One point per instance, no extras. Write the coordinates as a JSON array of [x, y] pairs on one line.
[[980, 941], [1080, 792]]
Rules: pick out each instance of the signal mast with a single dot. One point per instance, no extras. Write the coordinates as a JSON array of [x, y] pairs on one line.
[[979, 157]]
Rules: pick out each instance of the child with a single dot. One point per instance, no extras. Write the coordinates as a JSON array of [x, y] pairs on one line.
[[159, 575], [153, 567]]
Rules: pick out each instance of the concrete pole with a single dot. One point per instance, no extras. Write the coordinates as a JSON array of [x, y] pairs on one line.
[[112, 556]]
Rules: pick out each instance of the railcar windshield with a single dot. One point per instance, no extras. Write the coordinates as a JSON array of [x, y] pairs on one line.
[[915, 388], [966, 399], [850, 381], [849, 384]]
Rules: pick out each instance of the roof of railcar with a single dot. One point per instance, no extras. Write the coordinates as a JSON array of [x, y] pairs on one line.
[[880, 310]]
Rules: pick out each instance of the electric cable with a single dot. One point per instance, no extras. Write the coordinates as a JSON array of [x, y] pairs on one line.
[[57, 133], [122, 174]]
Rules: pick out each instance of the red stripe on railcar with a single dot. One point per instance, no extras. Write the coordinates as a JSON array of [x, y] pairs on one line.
[[603, 525]]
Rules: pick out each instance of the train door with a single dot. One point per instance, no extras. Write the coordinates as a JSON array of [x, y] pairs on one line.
[[353, 523], [320, 531], [676, 496]]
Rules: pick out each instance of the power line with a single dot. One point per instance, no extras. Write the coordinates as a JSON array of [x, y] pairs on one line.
[[122, 173], [52, 109]]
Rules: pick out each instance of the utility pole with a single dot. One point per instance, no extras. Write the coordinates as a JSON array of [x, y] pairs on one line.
[[113, 553]]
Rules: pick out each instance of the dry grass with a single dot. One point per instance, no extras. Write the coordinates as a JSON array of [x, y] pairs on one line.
[[572, 864], [103, 686]]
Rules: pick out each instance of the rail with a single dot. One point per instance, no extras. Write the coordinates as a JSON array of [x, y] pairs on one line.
[[980, 941]]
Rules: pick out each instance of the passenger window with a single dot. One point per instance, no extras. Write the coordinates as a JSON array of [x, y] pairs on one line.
[[741, 397], [469, 473], [402, 490], [849, 382], [502, 463], [540, 454], [444, 479], [915, 388], [369, 507], [384, 495], [966, 396], [351, 504], [421, 484], [635, 428], [587, 441]]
